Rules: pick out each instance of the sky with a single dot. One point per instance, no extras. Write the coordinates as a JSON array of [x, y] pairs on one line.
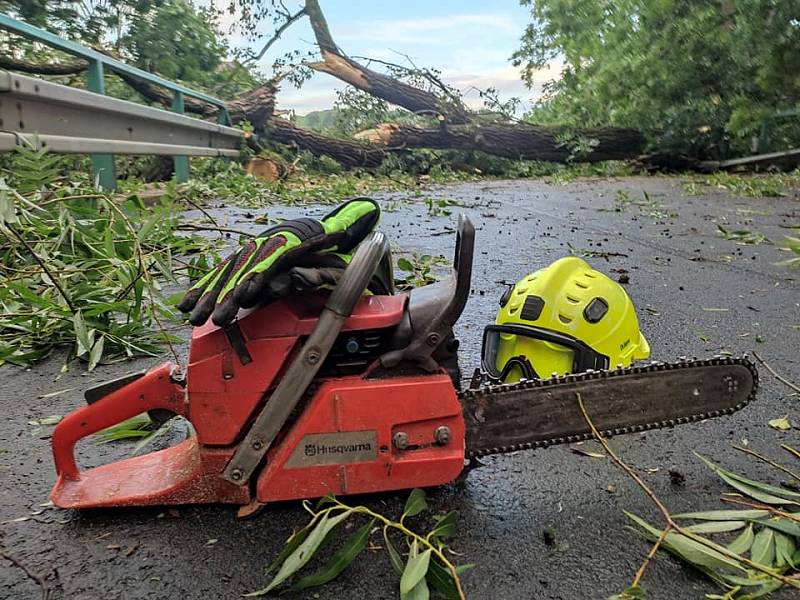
[[469, 41]]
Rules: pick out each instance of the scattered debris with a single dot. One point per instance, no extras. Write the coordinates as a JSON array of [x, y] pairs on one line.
[[781, 424], [676, 477]]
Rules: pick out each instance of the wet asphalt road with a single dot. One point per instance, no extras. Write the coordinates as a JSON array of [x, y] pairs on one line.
[[679, 269]]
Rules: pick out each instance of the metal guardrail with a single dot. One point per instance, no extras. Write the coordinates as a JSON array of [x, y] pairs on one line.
[[70, 120]]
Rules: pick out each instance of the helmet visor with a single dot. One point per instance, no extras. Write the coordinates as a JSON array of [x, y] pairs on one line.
[[509, 352]]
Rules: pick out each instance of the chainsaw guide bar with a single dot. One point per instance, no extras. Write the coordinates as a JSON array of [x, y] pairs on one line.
[[541, 413]]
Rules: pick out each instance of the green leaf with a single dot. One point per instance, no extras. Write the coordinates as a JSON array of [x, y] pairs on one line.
[[784, 550], [743, 542], [7, 211], [782, 524], [97, 353], [419, 592], [763, 549], [769, 494], [394, 555], [405, 265], [327, 499], [303, 553], [445, 525], [781, 424], [689, 550], [767, 587], [81, 334], [723, 515], [415, 504], [339, 561], [632, 593], [442, 581], [135, 427], [416, 568], [716, 527], [297, 538]]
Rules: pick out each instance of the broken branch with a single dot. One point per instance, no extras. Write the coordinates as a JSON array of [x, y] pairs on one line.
[[783, 380], [666, 514]]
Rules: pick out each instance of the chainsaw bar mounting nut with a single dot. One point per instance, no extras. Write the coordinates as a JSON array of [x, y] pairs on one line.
[[400, 440], [442, 435]]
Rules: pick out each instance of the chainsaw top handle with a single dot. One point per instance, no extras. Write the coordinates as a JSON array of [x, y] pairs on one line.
[[306, 364], [357, 275]]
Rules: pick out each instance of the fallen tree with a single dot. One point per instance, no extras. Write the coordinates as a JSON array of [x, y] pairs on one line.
[[348, 153], [514, 140], [459, 128]]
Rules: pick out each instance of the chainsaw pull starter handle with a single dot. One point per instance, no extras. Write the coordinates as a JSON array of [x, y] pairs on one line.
[[305, 366]]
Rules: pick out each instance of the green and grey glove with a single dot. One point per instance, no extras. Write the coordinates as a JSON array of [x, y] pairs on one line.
[[243, 279]]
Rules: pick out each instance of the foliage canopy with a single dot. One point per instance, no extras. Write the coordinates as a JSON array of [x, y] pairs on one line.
[[699, 77]]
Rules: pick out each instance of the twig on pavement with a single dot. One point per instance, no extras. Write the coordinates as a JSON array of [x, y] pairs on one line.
[[783, 380]]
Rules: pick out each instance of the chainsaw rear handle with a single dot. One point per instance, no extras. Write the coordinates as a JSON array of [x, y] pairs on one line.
[[305, 366], [159, 388]]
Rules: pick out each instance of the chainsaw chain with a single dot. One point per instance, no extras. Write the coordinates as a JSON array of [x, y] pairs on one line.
[[493, 391]]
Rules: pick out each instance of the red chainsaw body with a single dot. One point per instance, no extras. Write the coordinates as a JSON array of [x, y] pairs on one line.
[[341, 441]]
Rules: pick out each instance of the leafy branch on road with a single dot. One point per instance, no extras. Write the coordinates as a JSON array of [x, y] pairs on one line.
[[84, 270], [743, 236], [791, 244], [427, 564], [419, 269], [769, 533]]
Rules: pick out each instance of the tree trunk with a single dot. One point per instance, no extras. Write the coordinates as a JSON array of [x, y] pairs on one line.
[[514, 140], [346, 152], [55, 68]]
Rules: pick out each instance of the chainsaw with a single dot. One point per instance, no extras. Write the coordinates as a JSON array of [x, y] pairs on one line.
[[347, 393]]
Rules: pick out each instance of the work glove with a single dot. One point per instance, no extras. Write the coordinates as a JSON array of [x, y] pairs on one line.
[[243, 279]]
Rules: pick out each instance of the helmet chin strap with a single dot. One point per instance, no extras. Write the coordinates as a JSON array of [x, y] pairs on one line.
[[524, 365]]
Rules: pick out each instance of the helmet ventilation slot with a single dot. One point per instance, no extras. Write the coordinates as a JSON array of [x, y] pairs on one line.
[[564, 318]]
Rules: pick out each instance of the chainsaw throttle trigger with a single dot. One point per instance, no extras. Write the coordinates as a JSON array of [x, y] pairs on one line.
[[304, 367]]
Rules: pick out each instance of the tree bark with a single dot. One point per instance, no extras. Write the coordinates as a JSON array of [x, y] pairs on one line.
[[348, 153], [26, 66], [336, 63], [514, 140]]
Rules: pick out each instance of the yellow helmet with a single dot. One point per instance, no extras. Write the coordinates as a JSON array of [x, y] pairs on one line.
[[565, 318]]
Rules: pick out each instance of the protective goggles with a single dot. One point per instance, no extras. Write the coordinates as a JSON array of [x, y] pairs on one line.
[[583, 357]]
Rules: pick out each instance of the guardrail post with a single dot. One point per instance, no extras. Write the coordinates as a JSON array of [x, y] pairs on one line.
[[102, 164], [223, 116], [181, 162], [763, 137]]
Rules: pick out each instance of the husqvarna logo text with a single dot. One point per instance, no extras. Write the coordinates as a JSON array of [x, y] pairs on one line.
[[315, 449], [335, 448]]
